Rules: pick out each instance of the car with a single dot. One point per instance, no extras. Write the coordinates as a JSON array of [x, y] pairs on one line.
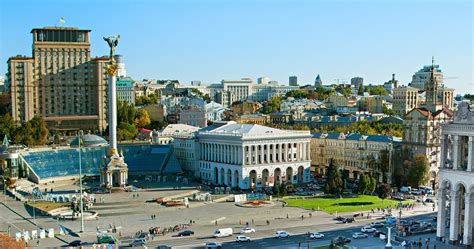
[[247, 230], [359, 235], [186, 233], [163, 247], [138, 242], [210, 245], [340, 241], [376, 224], [242, 238], [281, 234], [316, 235], [368, 229], [75, 243]]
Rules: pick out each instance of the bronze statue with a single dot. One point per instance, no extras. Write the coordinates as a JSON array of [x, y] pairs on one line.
[[113, 42]]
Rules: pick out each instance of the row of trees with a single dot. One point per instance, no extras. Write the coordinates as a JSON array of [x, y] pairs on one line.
[[369, 128], [129, 119], [319, 94], [147, 100], [33, 132]]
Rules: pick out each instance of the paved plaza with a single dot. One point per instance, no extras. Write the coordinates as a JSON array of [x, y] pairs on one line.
[[131, 212]]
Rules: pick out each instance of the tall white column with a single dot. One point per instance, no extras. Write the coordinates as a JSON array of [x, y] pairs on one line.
[[268, 154], [274, 153], [285, 152], [444, 151], [112, 114], [467, 219], [454, 219], [456, 152], [280, 154], [441, 231], [262, 153], [469, 154]]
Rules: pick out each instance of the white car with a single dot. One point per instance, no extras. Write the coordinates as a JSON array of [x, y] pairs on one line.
[[242, 238], [210, 245], [359, 235], [316, 235], [368, 229], [247, 230], [376, 224], [281, 234]]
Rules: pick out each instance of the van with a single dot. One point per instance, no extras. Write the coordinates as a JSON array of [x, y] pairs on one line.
[[223, 232], [405, 189]]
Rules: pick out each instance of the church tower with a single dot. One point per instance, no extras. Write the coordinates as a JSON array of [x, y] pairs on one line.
[[432, 87]]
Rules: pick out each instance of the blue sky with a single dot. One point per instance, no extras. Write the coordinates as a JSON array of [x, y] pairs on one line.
[[210, 40]]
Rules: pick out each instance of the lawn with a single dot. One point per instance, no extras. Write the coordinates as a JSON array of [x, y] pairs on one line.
[[352, 204], [47, 205]]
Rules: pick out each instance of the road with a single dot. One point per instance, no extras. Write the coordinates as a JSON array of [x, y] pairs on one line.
[[263, 238]]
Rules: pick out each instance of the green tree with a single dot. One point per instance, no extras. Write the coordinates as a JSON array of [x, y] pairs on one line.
[[378, 90], [346, 91], [384, 164], [360, 91], [334, 184], [276, 190], [363, 184], [37, 130], [387, 111], [7, 126], [372, 184], [283, 190], [126, 131], [383, 191], [418, 171]]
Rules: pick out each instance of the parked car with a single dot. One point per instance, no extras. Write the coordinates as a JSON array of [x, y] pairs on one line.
[[359, 235], [281, 234], [247, 230], [186, 233], [242, 238], [210, 245], [316, 235], [75, 243], [138, 242], [376, 224], [368, 229]]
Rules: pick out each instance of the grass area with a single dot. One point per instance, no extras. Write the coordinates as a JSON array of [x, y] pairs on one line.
[[352, 204], [46, 205]]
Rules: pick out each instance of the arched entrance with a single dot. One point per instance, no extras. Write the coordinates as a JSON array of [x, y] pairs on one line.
[[277, 176], [222, 178], [456, 229], [265, 175], [236, 178], [216, 175], [253, 179], [300, 174], [289, 175], [229, 178]]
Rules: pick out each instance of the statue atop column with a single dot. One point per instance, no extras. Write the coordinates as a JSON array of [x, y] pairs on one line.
[[113, 42]]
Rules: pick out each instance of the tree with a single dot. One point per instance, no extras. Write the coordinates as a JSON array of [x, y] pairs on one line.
[[360, 91], [384, 164], [378, 90], [372, 183], [126, 131], [334, 184], [283, 190], [387, 111], [346, 91], [7, 126], [363, 184], [142, 118], [418, 171], [276, 190], [383, 191], [37, 130]]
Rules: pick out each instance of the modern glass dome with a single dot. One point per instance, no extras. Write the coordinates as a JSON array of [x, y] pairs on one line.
[[89, 141]]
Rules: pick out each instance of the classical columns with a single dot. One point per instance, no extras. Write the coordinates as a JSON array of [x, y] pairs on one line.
[[469, 154], [454, 219], [444, 151], [455, 152], [440, 233], [467, 219]]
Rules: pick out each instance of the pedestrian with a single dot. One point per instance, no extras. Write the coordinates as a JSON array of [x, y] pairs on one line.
[[310, 215], [302, 217], [37, 243], [247, 223], [268, 223], [282, 205], [287, 216], [253, 222]]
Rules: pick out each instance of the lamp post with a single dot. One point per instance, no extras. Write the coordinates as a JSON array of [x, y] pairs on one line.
[[79, 135], [389, 237]]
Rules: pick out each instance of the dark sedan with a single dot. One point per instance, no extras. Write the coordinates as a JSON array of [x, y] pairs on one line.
[[186, 233]]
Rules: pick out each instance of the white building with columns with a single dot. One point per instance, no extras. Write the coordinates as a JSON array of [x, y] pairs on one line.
[[456, 178], [252, 156]]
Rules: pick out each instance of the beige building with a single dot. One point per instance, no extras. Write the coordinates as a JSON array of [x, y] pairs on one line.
[[60, 82], [422, 126], [405, 99], [372, 104], [354, 154], [336, 100], [260, 119]]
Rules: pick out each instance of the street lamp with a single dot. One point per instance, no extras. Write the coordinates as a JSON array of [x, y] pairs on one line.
[[79, 135]]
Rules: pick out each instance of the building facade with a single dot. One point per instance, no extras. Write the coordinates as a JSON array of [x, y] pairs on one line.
[[125, 90], [253, 156], [405, 99], [60, 82], [456, 177], [293, 81], [193, 116], [423, 75], [355, 154]]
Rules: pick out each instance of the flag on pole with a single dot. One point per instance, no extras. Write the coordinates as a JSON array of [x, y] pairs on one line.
[[62, 20]]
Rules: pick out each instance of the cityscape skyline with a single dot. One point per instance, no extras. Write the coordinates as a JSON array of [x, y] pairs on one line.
[[152, 48]]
